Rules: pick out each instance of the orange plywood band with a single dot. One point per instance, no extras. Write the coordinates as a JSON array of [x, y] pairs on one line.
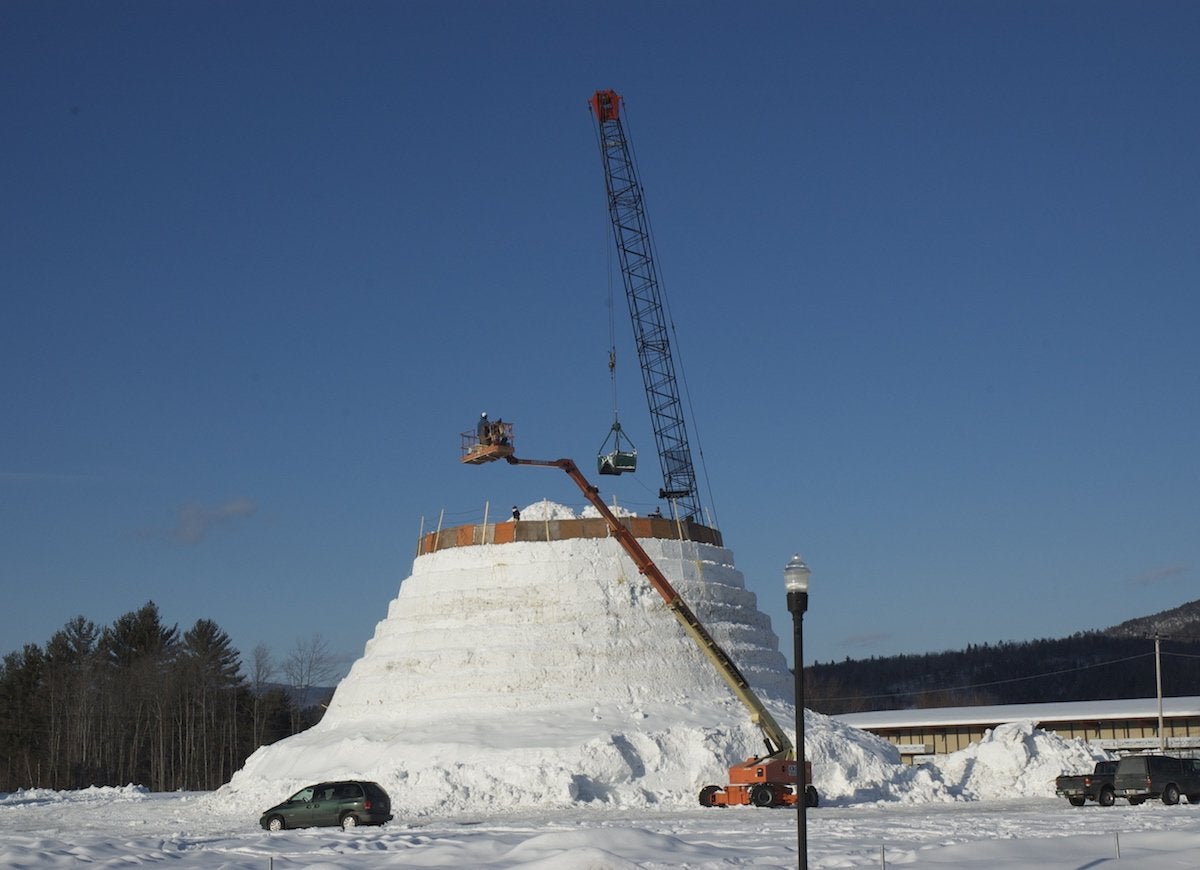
[[562, 530]]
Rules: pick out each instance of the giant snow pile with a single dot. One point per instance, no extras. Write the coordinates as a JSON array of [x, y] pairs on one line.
[[549, 674]]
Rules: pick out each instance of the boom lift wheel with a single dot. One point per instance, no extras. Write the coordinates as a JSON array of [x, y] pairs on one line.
[[707, 793], [762, 795]]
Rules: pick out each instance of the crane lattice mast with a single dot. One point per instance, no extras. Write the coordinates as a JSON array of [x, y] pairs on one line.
[[631, 232]]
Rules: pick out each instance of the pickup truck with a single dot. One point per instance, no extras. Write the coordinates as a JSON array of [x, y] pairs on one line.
[[1095, 786], [1166, 777]]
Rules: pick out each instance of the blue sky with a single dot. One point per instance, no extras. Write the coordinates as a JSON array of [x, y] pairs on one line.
[[932, 266]]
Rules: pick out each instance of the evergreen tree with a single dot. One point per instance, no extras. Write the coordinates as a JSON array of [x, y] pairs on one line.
[[209, 676], [73, 699], [22, 716], [139, 652]]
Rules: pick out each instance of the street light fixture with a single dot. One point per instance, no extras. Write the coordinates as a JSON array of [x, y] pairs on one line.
[[795, 579]]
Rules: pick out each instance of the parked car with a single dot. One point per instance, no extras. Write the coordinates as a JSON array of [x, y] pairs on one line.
[[1157, 776], [346, 803], [1095, 786]]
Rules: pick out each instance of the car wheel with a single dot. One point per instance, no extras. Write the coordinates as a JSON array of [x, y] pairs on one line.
[[1106, 798], [349, 821], [762, 795], [1170, 795], [706, 795], [275, 823], [1076, 801], [811, 798]]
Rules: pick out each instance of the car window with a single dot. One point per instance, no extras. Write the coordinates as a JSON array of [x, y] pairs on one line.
[[1166, 765], [326, 794], [350, 791], [301, 797]]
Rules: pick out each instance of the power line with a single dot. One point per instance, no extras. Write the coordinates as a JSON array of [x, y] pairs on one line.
[[995, 682]]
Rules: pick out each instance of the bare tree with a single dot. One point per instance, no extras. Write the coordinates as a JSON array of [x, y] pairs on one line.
[[262, 669], [309, 664]]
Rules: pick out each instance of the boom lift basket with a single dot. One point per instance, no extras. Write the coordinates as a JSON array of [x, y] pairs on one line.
[[621, 458], [496, 442]]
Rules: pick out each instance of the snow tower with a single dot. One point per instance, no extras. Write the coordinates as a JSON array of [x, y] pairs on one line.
[[529, 663]]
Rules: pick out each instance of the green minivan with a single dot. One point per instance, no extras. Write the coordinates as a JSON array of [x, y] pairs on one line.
[[347, 803]]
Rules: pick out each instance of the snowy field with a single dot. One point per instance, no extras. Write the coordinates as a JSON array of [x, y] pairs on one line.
[[131, 828], [990, 805]]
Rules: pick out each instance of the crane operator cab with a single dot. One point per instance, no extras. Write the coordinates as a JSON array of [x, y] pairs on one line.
[[617, 453], [488, 441]]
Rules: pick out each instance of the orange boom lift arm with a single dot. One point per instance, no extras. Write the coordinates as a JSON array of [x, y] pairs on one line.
[[765, 780]]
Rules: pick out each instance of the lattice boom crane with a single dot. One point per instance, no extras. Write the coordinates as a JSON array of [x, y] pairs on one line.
[[631, 232]]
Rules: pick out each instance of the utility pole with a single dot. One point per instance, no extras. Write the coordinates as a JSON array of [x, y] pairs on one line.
[[1162, 735]]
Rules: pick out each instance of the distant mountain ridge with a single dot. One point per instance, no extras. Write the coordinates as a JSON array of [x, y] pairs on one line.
[[1182, 622], [1106, 664]]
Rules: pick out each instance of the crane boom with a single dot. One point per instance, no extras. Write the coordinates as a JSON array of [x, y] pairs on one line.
[[631, 232], [779, 745]]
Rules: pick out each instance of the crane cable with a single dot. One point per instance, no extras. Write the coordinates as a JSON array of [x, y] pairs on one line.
[[678, 361], [608, 243], [612, 325]]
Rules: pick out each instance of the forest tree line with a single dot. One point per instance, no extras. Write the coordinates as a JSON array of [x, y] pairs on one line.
[[1088, 666], [141, 702]]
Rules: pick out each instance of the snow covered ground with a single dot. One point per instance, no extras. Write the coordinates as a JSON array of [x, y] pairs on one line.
[[988, 806], [131, 828]]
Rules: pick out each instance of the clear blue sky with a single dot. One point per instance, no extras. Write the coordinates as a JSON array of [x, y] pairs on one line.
[[933, 268]]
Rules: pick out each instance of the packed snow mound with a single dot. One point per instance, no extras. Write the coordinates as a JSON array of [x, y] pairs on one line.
[[547, 510], [590, 512], [1015, 760]]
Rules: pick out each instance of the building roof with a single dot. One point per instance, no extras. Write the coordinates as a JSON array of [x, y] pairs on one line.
[[1063, 711]]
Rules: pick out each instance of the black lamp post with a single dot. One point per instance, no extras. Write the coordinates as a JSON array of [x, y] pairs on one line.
[[795, 580]]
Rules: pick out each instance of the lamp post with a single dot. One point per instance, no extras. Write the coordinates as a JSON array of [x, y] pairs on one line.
[[795, 579]]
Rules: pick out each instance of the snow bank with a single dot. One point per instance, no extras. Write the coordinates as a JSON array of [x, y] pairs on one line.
[[1015, 760], [93, 794], [853, 766], [1012, 760], [645, 758], [550, 675]]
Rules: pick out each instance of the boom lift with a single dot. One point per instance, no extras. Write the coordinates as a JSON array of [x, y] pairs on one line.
[[767, 780]]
